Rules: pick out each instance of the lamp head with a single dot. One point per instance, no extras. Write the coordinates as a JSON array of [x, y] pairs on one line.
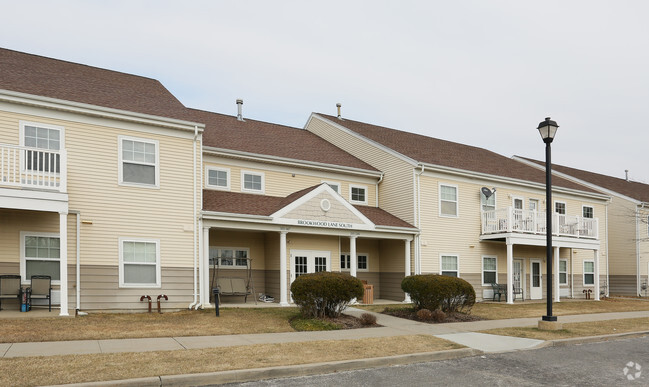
[[548, 129]]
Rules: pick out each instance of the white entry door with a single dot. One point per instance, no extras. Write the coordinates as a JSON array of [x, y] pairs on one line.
[[309, 261], [536, 287], [518, 276]]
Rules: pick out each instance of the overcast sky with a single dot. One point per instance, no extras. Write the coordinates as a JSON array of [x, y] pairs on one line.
[[484, 73]]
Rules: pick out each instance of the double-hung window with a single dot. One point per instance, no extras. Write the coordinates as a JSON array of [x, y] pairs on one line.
[[450, 265], [252, 182], [560, 208], [46, 141], [139, 161], [41, 254], [139, 262], [563, 272], [489, 270], [229, 257], [362, 262], [357, 194], [448, 200], [218, 178], [589, 273], [587, 212]]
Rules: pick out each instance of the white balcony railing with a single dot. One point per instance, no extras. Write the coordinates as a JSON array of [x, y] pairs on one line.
[[34, 168], [508, 220]]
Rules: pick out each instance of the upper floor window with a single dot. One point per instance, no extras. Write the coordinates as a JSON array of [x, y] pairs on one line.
[[218, 178], [47, 138], [518, 203], [534, 204], [252, 182], [334, 186], [358, 194], [139, 161], [488, 204], [587, 211], [450, 265], [448, 200], [560, 208]]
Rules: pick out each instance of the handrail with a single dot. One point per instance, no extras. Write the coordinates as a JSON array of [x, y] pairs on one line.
[[28, 167], [508, 220]]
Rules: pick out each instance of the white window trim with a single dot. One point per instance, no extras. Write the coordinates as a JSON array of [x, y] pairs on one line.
[[336, 183], [23, 258], [120, 166], [263, 182], [346, 254], [158, 283], [22, 125], [364, 187], [565, 206], [457, 200], [559, 269], [483, 269], [217, 187], [529, 204], [457, 257], [591, 207], [518, 198], [583, 275], [234, 259]]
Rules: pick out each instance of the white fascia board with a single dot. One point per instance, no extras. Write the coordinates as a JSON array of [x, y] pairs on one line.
[[384, 148], [93, 110], [207, 150], [576, 180], [399, 229], [525, 183], [234, 216]]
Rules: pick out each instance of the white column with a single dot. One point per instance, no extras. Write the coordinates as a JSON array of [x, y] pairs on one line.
[[353, 264], [63, 236], [205, 268], [407, 259], [510, 272], [596, 258], [283, 280], [557, 294]]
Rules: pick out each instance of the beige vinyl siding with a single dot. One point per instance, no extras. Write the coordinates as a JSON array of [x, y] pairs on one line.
[[622, 229], [280, 183], [396, 191]]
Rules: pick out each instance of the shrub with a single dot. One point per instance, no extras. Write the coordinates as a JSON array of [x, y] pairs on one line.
[[433, 291], [325, 294], [438, 316], [424, 315], [368, 319]]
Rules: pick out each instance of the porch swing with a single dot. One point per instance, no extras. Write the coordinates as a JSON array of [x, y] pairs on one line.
[[232, 286]]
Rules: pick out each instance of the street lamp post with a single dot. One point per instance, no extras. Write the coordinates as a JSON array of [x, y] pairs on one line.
[[548, 129]]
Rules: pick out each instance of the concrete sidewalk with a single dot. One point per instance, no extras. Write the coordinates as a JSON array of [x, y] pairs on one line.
[[463, 333]]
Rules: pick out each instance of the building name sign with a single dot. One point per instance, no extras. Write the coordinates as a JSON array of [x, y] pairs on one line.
[[324, 223]]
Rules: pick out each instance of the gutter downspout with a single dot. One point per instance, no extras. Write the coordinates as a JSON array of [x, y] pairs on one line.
[[195, 303], [637, 247], [377, 189], [608, 280], [418, 244], [78, 264]]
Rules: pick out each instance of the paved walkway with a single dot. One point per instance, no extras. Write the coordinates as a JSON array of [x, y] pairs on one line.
[[463, 333]]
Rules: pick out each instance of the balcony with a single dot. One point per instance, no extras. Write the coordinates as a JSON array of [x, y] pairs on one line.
[[32, 168], [511, 220]]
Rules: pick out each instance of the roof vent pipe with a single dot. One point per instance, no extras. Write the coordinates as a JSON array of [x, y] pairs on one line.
[[239, 109], [338, 105], [626, 172]]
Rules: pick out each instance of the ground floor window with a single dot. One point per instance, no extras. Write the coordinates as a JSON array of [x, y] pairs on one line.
[[589, 272], [362, 261], [236, 257], [563, 272], [450, 265], [41, 254], [139, 263], [489, 270]]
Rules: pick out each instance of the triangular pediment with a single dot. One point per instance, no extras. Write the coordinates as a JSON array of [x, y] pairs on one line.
[[322, 207]]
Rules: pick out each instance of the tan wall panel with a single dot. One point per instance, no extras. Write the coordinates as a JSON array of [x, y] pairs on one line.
[[254, 241]]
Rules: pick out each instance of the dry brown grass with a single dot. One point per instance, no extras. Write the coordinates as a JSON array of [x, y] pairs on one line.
[[597, 328], [87, 368], [98, 326]]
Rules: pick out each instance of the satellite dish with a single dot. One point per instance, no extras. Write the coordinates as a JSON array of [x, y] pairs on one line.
[[486, 192]]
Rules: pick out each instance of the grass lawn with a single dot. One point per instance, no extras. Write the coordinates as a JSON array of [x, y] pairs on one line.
[[597, 328], [97, 326], [32, 371], [498, 311]]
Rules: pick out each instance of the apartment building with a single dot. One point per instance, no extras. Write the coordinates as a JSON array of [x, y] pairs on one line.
[[481, 215], [628, 220]]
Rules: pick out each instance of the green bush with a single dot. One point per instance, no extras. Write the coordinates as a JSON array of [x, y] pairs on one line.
[[325, 294], [433, 291]]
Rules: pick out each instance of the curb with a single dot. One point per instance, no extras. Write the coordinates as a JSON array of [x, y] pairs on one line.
[[255, 374], [594, 339]]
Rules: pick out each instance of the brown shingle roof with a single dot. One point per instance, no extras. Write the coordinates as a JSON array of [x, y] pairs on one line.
[[632, 189], [251, 204], [38, 75], [444, 153], [223, 131]]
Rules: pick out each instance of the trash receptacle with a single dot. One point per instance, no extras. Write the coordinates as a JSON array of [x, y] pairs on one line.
[[368, 296], [216, 291]]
